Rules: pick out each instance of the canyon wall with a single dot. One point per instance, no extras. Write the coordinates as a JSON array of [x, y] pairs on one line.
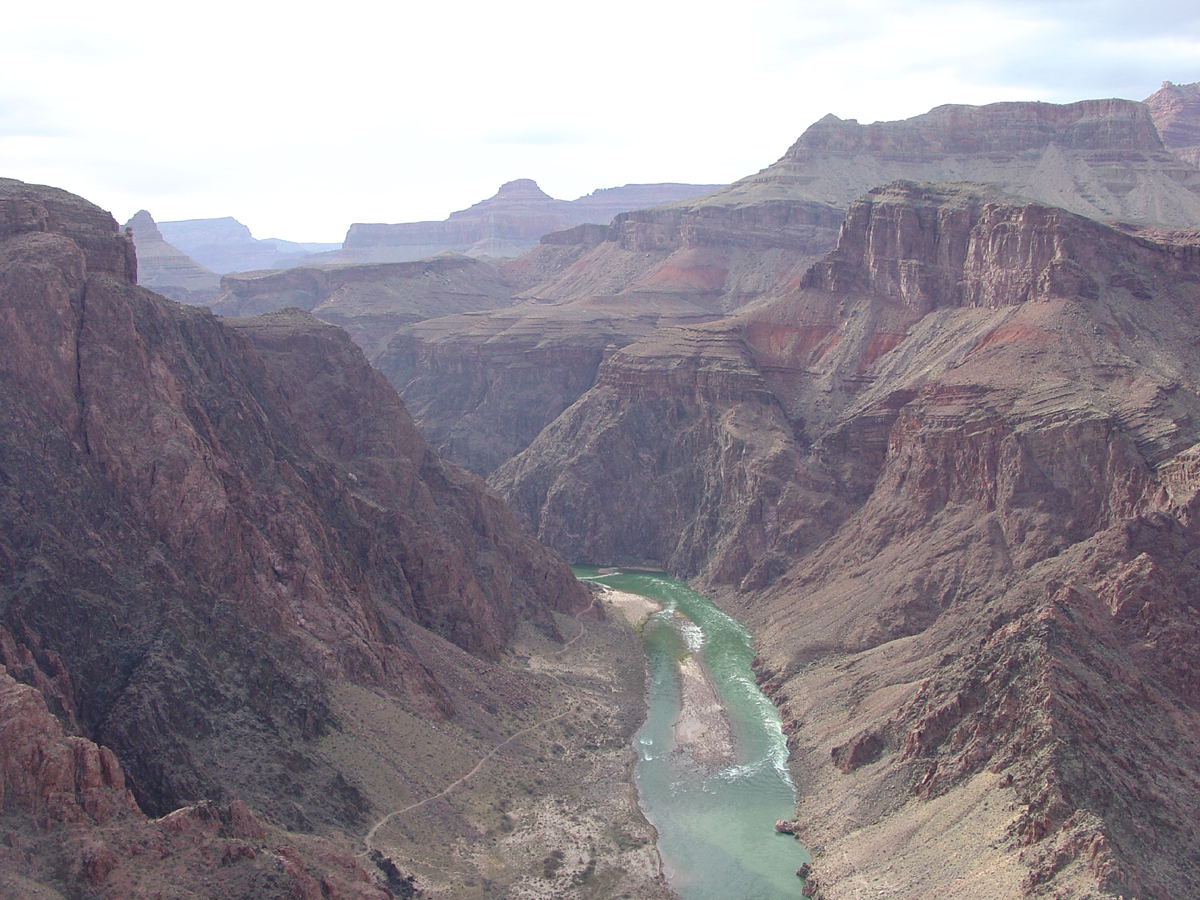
[[750, 242], [208, 527], [948, 479], [167, 270], [1176, 112], [506, 224]]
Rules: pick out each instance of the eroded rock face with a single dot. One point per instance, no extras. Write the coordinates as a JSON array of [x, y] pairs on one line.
[[1176, 112], [204, 544], [1099, 158], [697, 260], [371, 301], [481, 387], [169, 271], [948, 479], [71, 824]]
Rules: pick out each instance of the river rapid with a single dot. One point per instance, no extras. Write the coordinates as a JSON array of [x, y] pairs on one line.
[[716, 825]]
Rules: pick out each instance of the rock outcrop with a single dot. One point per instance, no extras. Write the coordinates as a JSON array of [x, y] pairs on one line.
[[226, 245], [1176, 112], [752, 241], [167, 270], [207, 526], [506, 224], [1099, 158], [370, 300], [481, 387], [948, 478], [71, 824]]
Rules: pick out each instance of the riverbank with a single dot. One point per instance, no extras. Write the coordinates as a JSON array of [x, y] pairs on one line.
[[540, 803]]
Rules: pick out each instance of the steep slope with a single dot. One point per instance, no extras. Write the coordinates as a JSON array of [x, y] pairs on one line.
[[218, 539], [1176, 112], [166, 270], [482, 386], [948, 480], [1099, 158], [753, 240]]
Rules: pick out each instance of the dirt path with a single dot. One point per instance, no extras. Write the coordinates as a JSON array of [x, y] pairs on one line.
[[370, 836]]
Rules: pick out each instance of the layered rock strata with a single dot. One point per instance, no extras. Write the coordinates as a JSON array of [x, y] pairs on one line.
[[167, 270], [506, 224], [1099, 158], [481, 387], [752, 241], [370, 301], [1176, 112], [207, 526], [948, 480]]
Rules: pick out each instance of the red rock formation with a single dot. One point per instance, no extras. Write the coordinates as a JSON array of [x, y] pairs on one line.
[[1176, 112], [482, 387], [71, 824], [203, 544], [949, 480]]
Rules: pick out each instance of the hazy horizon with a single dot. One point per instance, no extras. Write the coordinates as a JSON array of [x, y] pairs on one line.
[[299, 124]]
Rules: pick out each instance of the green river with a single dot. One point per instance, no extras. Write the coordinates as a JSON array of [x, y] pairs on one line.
[[716, 830]]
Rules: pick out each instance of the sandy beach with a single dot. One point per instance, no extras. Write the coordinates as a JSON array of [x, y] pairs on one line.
[[702, 729], [634, 607]]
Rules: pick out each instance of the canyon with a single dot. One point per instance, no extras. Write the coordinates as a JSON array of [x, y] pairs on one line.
[[918, 403], [229, 564], [947, 480]]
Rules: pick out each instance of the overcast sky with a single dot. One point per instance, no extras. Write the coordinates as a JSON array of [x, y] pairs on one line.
[[300, 118]]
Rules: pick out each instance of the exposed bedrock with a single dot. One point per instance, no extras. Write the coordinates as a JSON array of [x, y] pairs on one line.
[[949, 480], [204, 526]]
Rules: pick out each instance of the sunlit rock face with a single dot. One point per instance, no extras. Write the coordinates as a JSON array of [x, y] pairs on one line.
[[1176, 112]]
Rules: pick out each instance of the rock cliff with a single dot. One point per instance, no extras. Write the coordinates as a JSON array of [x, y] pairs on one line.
[[948, 478], [208, 527], [752, 241], [169, 271], [1176, 112], [1098, 158], [482, 386]]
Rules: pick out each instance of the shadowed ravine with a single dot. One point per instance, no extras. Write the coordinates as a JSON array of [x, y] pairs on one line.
[[714, 807]]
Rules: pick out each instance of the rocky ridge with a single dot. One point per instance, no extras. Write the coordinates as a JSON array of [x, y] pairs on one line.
[[504, 225], [948, 480], [167, 270], [1176, 112], [214, 533], [1099, 158], [752, 241]]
